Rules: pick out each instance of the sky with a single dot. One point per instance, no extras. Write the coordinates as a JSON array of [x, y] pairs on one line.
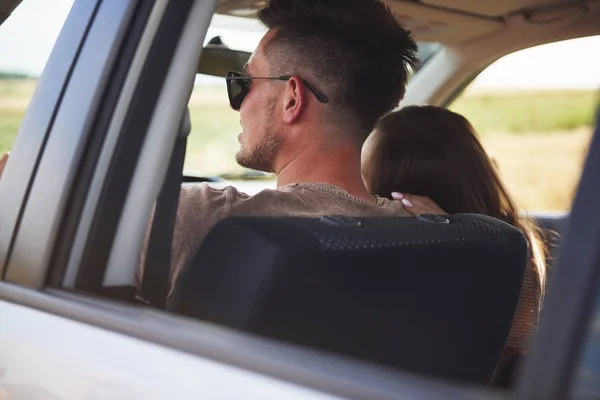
[[27, 37]]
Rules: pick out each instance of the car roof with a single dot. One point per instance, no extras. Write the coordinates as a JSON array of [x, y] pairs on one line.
[[454, 22], [451, 22]]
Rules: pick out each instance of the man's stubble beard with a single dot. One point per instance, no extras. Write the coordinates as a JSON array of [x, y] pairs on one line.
[[262, 156]]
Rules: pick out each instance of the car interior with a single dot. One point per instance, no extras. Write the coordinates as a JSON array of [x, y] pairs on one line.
[[334, 284], [277, 262]]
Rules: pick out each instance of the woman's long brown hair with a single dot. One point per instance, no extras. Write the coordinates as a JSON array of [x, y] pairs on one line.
[[430, 151]]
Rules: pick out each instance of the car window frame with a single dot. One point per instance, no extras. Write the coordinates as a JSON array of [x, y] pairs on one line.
[[33, 132], [42, 217], [154, 121]]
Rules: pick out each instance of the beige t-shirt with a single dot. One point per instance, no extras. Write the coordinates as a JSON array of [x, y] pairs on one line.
[[201, 207]]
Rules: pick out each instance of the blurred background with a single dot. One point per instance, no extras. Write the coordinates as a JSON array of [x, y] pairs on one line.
[[533, 109]]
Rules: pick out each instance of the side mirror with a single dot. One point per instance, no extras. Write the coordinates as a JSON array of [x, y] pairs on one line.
[[218, 59]]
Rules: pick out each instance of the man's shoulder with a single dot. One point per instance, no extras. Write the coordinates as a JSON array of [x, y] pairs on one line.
[[204, 191], [297, 199], [225, 201], [208, 196]]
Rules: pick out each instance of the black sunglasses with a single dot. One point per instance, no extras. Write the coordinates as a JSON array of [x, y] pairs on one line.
[[238, 86]]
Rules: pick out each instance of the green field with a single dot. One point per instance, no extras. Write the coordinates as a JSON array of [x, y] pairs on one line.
[[14, 97], [528, 112], [9, 124], [539, 139]]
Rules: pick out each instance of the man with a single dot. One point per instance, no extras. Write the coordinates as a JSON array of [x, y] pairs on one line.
[[320, 78], [328, 71]]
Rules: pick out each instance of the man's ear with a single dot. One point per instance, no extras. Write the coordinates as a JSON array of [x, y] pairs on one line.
[[294, 100]]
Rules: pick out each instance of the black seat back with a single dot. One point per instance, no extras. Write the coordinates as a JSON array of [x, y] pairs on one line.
[[432, 294]]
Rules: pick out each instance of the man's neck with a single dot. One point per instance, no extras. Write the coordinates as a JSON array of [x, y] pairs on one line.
[[339, 167]]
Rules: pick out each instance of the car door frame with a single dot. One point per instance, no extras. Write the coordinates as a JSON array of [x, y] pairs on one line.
[[28, 148]]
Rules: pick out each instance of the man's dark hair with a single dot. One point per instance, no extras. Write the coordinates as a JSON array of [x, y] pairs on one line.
[[355, 51]]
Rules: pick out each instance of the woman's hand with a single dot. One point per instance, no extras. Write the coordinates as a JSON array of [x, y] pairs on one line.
[[417, 205], [3, 161]]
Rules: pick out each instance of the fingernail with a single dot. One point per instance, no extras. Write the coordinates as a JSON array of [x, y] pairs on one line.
[[397, 195], [407, 203]]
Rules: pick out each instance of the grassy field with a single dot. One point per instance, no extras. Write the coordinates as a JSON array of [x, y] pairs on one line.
[[539, 139], [528, 112], [540, 171], [14, 97]]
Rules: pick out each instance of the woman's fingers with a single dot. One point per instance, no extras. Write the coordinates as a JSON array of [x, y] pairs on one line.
[[397, 196], [3, 161], [417, 205]]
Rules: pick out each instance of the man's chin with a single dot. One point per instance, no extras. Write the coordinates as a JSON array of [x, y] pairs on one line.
[[244, 160], [239, 158], [250, 162]]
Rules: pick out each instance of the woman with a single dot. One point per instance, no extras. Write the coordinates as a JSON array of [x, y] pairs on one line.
[[435, 155]]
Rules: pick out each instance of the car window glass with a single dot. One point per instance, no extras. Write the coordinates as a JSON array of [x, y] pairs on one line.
[[26, 40], [213, 140], [534, 111]]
